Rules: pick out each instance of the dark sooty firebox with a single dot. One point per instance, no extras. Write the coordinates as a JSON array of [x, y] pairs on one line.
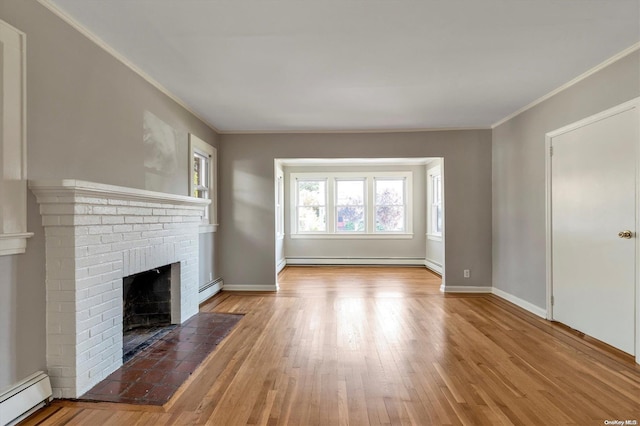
[[147, 299]]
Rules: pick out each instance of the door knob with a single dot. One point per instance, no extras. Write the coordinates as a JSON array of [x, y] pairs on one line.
[[625, 234]]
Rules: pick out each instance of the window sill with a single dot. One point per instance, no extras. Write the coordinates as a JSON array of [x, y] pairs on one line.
[[14, 243], [207, 228], [434, 237], [404, 236]]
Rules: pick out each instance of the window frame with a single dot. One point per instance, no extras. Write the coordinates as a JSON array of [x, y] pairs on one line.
[[296, 206], [368, 204], [13, 142], [280, 204], [199, 147], [364, 204], [403, 205], [431, 174]]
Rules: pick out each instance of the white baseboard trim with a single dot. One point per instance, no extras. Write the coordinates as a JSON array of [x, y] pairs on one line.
[[24, 398], [464, 289], [435, 267], [280, 265], [250, 287], [536, 310], [409, 261], [210, 289]]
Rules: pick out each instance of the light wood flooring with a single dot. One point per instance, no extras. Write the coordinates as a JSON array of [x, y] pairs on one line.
[[360, 346]]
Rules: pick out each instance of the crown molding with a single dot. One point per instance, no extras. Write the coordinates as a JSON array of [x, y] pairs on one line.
[[576, 80], [347, 131], [126, 62]]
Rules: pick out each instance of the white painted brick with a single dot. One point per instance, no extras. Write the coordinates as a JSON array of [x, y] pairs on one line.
[[87, 240], [99, 289], [96, 310], [89, 324], [81, 252], [116, 265], [104, 210], [107, 220], [85, 220], [123, 246], [150, 219], [122, 228], [130, 236], [101, 229], [143, 227], [159, 212], [99, 249], [133, 219], [82, 273], [135, 211], [108, 316], [100, 269], [88, 302], [114, 296], [99, 328], [118, 202], [88, 261], [111, 238]]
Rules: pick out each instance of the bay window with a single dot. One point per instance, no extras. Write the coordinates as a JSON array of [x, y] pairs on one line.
[[351, 205]]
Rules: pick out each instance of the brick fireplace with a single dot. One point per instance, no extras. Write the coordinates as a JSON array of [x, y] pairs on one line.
[[96, 235]]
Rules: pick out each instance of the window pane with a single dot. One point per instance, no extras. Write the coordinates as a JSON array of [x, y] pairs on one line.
[[197, 165], [350, 219], [312, 219], [390, 218], [389, 192], [350, 192], [438, 219], [311, 192]]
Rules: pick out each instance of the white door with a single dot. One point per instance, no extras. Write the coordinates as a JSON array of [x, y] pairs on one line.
[[593, 199]]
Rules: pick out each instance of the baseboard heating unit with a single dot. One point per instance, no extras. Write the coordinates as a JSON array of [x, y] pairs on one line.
[[24, 398]]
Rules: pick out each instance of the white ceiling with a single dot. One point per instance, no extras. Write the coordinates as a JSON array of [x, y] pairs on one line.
[[327, 65]]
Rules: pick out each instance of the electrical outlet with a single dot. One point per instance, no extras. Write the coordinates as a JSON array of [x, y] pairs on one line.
[[210, 276], [467, 273]]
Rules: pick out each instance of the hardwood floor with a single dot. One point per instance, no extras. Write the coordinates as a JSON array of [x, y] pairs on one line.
[[359, 346]]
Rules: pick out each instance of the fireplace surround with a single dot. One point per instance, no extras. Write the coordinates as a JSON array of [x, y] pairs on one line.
[[95, 235]]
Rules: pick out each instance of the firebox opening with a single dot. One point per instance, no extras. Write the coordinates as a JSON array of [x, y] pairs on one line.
[[146, 309]]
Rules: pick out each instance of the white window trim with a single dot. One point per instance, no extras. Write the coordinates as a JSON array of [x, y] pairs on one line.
[[369, 178], [197, 145], [327, 196], [434, 171], [280, 204], [13, 142]]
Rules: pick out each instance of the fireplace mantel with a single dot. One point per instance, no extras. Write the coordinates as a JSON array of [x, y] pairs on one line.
[[95, 235], [64, 188]]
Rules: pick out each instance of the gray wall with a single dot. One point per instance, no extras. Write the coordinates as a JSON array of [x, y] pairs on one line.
[[519, 174], [84, 121], [247, 194], [408, 248]]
